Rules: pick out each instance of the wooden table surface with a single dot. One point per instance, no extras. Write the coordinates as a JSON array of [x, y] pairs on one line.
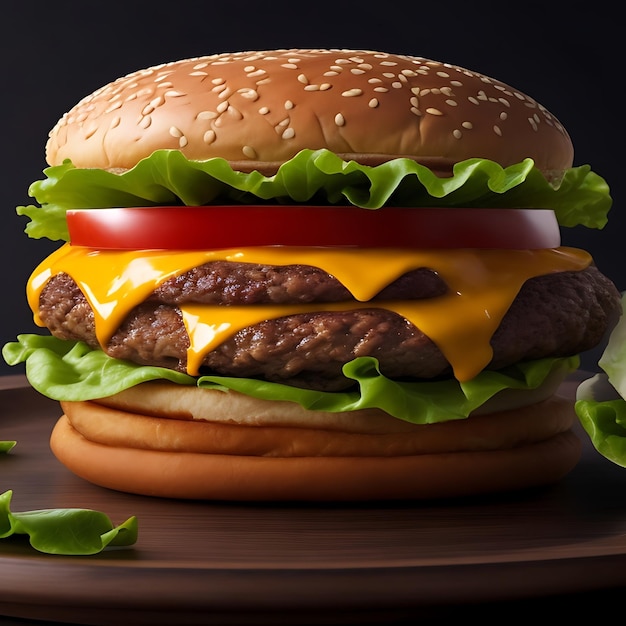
[[227, 563]]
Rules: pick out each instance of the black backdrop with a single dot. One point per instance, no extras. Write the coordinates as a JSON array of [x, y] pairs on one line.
[[53, 54]]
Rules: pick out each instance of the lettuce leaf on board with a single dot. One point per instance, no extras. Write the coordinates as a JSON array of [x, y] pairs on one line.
[[65, 531], [64, 370], [313, 176]]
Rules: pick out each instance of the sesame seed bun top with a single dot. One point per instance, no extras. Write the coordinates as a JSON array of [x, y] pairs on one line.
[[258, 109]]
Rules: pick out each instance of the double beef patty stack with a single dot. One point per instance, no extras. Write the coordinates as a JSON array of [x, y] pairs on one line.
[[313, 275]]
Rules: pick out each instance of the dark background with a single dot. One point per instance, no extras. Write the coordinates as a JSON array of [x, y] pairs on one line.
[[53, 54]]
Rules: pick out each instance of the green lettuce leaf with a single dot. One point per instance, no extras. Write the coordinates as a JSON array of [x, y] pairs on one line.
[[64, 370], [601, 401], [313, 176], [605, 423], [6, 446], [65, 531]]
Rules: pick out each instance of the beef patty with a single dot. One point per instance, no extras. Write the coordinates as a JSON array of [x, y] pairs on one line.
[[558, 314]]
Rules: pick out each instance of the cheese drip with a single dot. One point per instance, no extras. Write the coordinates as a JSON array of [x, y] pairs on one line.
[[482, 285]]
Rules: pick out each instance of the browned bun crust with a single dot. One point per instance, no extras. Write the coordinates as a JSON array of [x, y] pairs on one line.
[[258, 109], [187, 458]]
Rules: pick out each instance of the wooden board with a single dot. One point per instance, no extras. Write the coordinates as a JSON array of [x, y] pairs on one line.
[[221, 563]]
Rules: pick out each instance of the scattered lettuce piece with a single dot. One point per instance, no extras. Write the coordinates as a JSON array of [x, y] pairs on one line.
[[5, 446], [65, 531], [602, 413], [605, 423], [65, 370], [167, 178]]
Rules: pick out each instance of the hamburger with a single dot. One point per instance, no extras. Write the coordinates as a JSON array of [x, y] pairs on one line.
[[313, 275]]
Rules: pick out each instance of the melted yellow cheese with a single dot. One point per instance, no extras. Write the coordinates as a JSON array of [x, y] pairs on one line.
[[482, 285]]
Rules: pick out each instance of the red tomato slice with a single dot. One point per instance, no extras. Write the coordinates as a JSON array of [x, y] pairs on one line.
[[209, 227]]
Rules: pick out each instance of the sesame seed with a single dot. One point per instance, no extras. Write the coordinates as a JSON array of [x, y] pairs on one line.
[[396, 85], [381, 89], [497, 131], [433, 111], [467, 125], [457, 134], [222, 106], [249, 152], [172, 93], [503, 115], [182, 142], [145, 122], [115, 122], [113, 107], [416, 111], [288, 104], [209, 136], [264, 110], [175, 132], [373, 103], [206, 115], [340, 120], [451, 103], [350, 93], [303, 79], [289, 66], [311, 88], [532, 123], [289, 133], [249, 94]]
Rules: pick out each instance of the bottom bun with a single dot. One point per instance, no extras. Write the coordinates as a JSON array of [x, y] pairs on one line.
[[194, 459]]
